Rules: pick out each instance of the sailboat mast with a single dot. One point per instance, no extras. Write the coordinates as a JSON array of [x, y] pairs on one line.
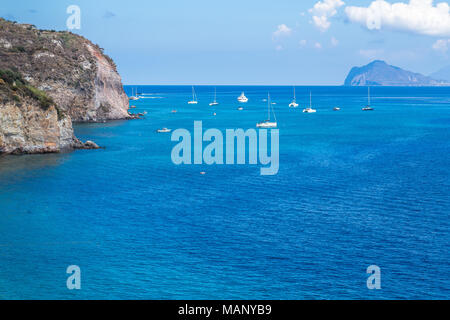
[[268, 106], [310, 99], [369, 94]]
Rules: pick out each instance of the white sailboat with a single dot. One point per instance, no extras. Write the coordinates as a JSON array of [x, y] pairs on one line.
[[242, 98], [133, 96], [268, 123], [310, 108], [368, 107], [194, 97], [294, 103], [214, 103]]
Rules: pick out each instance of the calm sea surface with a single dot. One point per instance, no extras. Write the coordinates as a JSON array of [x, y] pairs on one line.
[[354, 189]]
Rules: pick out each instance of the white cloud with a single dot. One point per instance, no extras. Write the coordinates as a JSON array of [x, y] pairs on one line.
[[279, 48], [323, 11], [303, 43], [417, 16], [442, 45], [282, 30], [318, 45], [334, 42]]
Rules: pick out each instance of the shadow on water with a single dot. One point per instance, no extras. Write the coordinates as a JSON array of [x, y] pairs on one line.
[[10, 164], [84, 127]]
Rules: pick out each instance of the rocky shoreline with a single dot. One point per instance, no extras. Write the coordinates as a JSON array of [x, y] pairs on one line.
[[48, 80]]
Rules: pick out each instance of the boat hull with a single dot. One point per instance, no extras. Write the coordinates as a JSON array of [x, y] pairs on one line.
[[267, 125]]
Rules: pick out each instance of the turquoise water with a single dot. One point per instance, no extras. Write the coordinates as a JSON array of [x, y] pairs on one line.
[[354, 189]]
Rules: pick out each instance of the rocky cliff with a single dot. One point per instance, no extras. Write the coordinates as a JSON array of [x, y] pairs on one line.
[[49, 80], [29, 120], [379, 73]]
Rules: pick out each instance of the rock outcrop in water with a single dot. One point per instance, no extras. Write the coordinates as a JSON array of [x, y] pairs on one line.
[[50, 79], [379, 73]]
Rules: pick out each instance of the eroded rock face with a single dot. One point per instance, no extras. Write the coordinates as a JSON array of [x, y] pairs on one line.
[[79, 79], [110, 101], [73, 71], [30, 129]]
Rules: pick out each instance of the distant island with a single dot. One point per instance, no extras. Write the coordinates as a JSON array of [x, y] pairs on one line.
[[442, 74], [379, 73]]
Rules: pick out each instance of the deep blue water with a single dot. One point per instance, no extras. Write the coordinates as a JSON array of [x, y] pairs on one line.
[[354, 189]]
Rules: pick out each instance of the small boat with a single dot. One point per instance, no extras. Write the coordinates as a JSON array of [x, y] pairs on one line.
[[310, 109], [268, 123], [368, 107], [164, 130], [242, 98], [294, 103], [336, 109], [240, 108], [133, 96], [214, 114], [194, 97], [174, 111], [132, 107], [214, 103]]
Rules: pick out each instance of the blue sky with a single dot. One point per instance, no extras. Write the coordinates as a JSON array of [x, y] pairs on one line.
[[283, 42]]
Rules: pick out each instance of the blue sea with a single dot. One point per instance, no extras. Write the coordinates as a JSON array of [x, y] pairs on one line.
[[354, 189]]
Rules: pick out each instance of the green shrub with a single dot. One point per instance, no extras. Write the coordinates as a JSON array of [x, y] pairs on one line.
[[11, 77], [17, 86], [19, 49], [39, 95]]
